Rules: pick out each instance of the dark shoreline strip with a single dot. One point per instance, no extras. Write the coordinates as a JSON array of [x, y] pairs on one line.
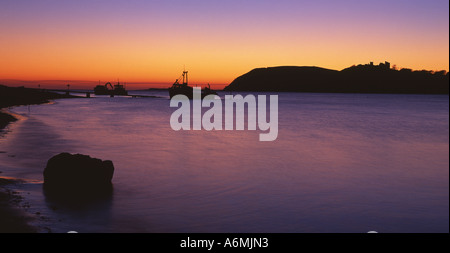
[[5, 119], [12, 218]]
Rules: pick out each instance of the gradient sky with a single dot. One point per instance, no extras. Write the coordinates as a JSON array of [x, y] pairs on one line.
[[151, 41]]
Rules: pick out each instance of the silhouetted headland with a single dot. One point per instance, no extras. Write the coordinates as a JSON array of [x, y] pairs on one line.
[[13, 96], [368, 78]]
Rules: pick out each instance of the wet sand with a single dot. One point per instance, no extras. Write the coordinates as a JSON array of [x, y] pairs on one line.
[[5, 119], [12, 218]]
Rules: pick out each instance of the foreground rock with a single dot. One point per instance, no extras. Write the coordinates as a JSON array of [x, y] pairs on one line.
[[77, 174]]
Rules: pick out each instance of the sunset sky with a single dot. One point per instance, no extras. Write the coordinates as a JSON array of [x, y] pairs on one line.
[[151, 41]]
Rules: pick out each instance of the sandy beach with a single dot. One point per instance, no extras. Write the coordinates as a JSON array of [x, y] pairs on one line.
[[13, 219]]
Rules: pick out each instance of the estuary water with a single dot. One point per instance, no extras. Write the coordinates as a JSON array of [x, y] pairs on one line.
[[340, 163]]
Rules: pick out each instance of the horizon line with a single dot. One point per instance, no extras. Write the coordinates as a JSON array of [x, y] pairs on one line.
[[153, 84]]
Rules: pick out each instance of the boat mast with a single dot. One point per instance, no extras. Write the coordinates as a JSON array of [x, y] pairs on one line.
[[185, 77]]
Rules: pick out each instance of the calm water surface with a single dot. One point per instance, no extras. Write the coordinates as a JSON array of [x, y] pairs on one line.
[[341, 163]]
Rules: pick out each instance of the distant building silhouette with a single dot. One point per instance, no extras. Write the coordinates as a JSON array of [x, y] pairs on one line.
[[385, 65]]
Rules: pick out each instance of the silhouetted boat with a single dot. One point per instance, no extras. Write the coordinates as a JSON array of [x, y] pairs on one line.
[[117, 89], [184, 89]]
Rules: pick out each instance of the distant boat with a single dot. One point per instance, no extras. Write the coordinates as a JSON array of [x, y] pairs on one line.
[[117, 89], [184, 89]]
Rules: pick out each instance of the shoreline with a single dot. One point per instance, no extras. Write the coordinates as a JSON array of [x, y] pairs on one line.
[[5, 119], [13, 219]]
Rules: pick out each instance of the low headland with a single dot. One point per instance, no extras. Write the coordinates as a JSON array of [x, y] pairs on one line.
[[368, 78], [15, 96]]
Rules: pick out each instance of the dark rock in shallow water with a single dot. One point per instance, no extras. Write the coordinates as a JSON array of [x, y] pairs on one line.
[[78, 174]]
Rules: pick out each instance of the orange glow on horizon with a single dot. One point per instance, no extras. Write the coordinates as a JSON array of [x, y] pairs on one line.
[[137, 47]]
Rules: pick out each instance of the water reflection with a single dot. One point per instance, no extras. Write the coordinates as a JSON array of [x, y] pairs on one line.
[[341, 163]]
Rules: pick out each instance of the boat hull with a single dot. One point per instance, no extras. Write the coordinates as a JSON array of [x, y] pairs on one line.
[[188, 92]]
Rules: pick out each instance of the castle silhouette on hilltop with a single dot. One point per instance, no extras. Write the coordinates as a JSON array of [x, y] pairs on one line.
[[385, 65]]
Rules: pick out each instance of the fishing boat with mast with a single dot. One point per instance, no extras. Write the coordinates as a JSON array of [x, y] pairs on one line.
[[183, 88]]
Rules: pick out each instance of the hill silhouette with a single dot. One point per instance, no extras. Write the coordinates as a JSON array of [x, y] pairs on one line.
[[14, 96], [366, 78]]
